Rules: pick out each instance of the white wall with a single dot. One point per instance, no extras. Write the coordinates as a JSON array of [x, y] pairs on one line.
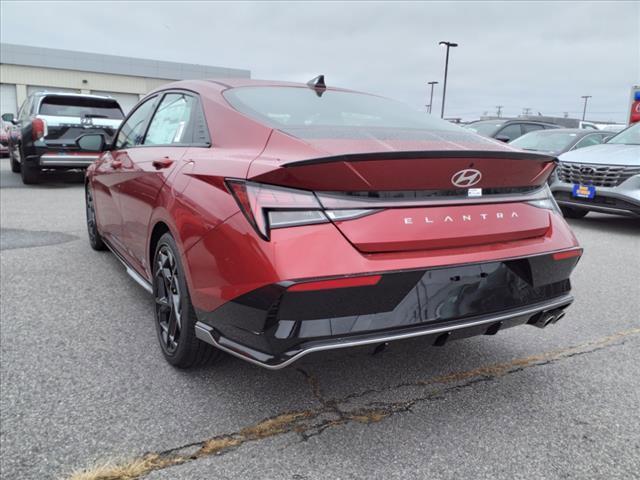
[[75, 80], [8, 102], [41, 88], [19, 81]]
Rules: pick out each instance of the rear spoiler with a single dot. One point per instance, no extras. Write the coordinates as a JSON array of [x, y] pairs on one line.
[[425, 154]]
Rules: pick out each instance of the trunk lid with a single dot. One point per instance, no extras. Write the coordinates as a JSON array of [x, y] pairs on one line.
[[446, 190], [62, 132], [67, 116], [400, 163]]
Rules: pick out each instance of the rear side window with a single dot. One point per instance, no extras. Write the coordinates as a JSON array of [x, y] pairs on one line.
[[510, 132], [171, 123], [589, 140], [132, 130], [71, 106], [530, 127]]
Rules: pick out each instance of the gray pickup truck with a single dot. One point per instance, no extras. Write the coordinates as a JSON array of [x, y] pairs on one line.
[[48, 126]]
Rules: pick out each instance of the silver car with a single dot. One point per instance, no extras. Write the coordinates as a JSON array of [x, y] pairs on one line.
[[603, 178]]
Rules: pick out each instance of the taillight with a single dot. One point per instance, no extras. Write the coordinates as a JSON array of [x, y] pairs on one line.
[[545, 200], [38, 128], [267, 207]]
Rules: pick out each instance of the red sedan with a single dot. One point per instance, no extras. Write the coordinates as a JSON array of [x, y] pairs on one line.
[[271, 220]]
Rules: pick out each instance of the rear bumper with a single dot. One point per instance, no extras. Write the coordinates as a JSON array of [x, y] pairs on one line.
[[275, 325], [53, 160], [436, 334], [622, 200]]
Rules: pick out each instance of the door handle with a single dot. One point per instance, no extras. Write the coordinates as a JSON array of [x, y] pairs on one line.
[[116, 164], [162, 163]]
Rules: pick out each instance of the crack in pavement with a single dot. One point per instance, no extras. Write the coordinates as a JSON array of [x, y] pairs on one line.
[[332, 413]]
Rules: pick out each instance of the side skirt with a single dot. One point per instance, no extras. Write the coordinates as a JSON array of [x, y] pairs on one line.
[[139, 279]]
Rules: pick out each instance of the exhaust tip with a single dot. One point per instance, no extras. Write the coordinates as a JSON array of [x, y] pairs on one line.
[[493, 329], [559, 316], [542, 319]]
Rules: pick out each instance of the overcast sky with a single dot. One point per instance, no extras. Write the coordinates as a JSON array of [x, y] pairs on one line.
[[517, 54]]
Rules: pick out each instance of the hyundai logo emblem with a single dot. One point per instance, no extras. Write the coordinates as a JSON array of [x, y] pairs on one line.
[[587, 170], [466, 178]]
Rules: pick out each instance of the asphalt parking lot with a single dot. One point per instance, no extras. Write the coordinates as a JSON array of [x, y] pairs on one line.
[[83, 381]]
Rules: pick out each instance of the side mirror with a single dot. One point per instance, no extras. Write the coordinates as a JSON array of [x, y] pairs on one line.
[[91, 142], [503, 138], [8, 117]]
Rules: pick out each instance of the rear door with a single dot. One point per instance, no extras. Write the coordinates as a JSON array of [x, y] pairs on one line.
[[110, 173], [147, 167]]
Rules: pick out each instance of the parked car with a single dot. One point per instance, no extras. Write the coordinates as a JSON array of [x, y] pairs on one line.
[[603, 178], [561, 140], [4, 138], [271, 220], [507, 130], [47, 126]]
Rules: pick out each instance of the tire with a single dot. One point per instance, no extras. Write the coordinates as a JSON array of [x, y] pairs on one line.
[[31, 175], [95, 239], [174, 314], [569, 212], [13, 161]]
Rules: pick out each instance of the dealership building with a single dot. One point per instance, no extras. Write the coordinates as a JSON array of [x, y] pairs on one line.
[[25, 70]]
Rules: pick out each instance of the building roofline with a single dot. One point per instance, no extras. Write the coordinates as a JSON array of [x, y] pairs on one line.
[[25, 55]]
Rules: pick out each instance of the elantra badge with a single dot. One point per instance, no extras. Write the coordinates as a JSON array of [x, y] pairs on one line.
[[466, 178]]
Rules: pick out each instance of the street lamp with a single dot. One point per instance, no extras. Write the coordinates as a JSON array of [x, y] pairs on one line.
[[446, 68], [431, 96], [584, 110]]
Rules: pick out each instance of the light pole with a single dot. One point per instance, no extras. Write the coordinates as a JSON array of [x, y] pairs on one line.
[[446, 69], [584, 110], [431, 97]]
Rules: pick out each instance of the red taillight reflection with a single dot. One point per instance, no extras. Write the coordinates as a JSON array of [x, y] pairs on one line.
[[348, 282], [567, 254]]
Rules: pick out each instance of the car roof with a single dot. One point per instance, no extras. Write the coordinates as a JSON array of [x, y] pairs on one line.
[[70, 94], [577, 131], [497, 120], [507, 121], [220, 84]]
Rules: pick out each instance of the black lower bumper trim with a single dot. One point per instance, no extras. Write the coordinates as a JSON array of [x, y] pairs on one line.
[[485, 324], [600, 203]]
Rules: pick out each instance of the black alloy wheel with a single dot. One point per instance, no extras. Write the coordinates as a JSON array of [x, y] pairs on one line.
[[168, 300], [174, 313], [95, 239]]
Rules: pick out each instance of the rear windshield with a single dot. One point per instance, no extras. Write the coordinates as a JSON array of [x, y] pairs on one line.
[[300, 108], [62, 106], [548, 141], [630, 136], [484, 128]]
